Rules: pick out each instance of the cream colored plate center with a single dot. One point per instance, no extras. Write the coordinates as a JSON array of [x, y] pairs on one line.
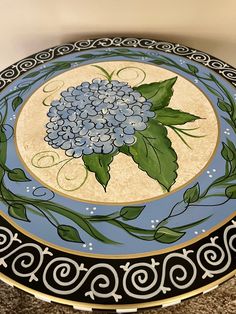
[[128, 184]]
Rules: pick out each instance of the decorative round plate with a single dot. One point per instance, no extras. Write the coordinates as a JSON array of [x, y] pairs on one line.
[[118, 173]]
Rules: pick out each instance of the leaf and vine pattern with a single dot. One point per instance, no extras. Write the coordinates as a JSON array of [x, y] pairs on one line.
[[43, 205]]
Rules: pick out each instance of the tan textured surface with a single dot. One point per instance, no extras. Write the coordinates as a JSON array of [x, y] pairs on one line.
[[128, 183], [219, 301]]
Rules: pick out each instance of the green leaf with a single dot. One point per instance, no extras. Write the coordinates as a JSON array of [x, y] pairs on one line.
[[192, 194], [79, 220], [131, 212], [105, 73], [230, 122], [224, 106], [99, 164], [232, 147], [158, 61], [69, 233], [125, 150], [167, 235], [17, 175], [61, 65], [153, 153], [159, 93], [192, 68], [3, 146], [169, 116], [33, 74], [225, 90], [230, 191], [193, 224], [16, 102], [122, 50], [64, 66], [212, 90], [86, 56], [18, 211], [227, 153]]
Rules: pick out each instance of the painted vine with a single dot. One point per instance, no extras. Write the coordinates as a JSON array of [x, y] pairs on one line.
[[20, 205]]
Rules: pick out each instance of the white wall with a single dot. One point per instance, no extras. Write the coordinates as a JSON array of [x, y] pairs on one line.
[[28, 26]]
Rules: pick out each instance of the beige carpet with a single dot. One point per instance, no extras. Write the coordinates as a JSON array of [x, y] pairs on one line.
[[220, 301]]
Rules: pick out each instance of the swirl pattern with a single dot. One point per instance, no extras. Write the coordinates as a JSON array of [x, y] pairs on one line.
[[7, 238], [12, 72], [213, 258], [66, 276], [27, 258], [138, 280], [139, 275]]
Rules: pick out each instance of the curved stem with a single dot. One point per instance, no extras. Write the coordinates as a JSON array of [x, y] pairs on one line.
[[105, 218], [210, 205], [188, 134], [132, 230], [225, 91], [216, 182], [50, 214], [214, 195], [180, 136]]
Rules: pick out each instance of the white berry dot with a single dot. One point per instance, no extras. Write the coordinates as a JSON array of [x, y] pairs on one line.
[[84, 245], [153, 226], [87, 208], [157, 220], [90, 244], [208, 171], [90, 248], [214, 170], [195, 232], [152, 221], [210, 175], [94, 208], [203, 230], [91, 212]]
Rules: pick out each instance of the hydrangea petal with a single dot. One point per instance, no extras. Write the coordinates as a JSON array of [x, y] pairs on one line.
[[97, 117]]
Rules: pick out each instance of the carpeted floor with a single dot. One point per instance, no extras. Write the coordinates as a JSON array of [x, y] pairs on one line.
[[219, 301]]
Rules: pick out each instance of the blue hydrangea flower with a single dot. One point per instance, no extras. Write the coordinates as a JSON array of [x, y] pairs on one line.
[[97, 117]]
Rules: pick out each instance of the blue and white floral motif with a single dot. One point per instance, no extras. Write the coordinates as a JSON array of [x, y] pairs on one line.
[[97, 117]]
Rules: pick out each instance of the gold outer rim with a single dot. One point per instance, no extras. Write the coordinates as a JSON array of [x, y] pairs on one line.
[[102, 256], [94, 306], [120, 203]]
